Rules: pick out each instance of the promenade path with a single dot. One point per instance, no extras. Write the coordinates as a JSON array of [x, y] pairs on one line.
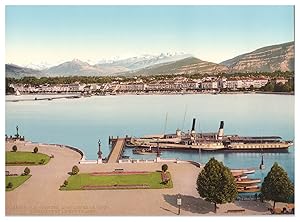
[[40, 195], [116, 152]]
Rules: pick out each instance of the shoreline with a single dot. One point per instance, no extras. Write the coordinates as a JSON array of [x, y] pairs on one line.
[[79, 95]]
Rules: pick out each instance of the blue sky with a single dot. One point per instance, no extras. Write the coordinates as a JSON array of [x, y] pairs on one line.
[[54, 34]]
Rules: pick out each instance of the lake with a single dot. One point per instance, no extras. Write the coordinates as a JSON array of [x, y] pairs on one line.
[[82, 122]]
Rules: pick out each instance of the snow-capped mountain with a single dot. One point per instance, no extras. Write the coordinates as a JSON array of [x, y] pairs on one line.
[[38, 66], [110, 67], [139, 62], [74, 67]]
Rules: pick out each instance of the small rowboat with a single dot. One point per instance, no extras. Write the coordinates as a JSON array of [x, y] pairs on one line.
[[248, 181], [243, 171], [250, 190]]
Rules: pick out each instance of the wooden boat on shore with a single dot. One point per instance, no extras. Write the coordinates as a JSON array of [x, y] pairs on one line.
[[249, 189], [247, 181], [242, 171]]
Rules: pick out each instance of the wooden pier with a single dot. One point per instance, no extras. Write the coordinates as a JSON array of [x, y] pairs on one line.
[[117, 150]]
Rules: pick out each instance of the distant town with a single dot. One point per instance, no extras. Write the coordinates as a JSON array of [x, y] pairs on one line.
[[162, 84]]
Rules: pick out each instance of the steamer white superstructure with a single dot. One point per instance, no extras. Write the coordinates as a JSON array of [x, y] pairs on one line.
[[210, 141]]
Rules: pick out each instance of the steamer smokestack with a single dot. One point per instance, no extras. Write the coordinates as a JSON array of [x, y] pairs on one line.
[[221, 124], [194, 122], [221, 130]]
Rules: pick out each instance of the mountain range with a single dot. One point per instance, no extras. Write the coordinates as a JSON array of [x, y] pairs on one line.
[[279, 57], [267, 59]]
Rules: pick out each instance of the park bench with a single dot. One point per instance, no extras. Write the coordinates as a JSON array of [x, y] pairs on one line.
[[119, 170], [236, 211]]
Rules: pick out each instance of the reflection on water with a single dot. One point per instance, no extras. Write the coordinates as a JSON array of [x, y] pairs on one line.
[[81, 122]]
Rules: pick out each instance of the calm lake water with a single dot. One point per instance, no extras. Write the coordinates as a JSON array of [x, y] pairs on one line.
[[81, 122]]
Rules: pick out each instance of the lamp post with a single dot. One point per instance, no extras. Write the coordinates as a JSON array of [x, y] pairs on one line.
[[261, 167], [179, 203], [99, 152]]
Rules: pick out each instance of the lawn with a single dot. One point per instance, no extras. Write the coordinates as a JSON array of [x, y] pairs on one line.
[[25, 158], [16, 181], [152, 180]]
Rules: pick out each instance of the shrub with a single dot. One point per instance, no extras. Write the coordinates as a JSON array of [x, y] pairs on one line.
[[26, 171], [66, 183], [9, 185], [42, 161], [75, 170], [35, 150], [164, 167], [14, 148], [164, 177]]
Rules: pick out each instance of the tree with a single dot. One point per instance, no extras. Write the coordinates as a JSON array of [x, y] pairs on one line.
[[26, 171], [216, 183], [35, 150], [280, 87], [269, 87], [164, 167], [277, 186], [14, 148], [8, 89], [75, 170]]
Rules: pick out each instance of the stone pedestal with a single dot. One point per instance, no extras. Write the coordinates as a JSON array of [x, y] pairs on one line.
[[99, 161]]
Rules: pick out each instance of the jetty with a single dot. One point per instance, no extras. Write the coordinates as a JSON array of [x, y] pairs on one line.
[[117, 150]]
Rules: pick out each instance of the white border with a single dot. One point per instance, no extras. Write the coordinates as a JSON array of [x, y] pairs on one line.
[[145, 2]]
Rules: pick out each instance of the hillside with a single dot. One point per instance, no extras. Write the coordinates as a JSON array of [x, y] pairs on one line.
[[16, 71], [267, 59], [188, 65]]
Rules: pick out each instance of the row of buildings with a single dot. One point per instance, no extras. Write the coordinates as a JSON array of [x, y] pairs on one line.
[[175, 84]]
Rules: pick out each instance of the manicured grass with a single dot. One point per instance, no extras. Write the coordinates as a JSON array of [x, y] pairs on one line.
[[25, 158], [153, 179], [16, 181]]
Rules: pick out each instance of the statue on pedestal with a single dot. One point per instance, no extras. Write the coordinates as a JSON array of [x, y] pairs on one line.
[[17, 135]]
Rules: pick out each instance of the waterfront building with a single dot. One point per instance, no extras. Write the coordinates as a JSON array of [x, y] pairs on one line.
[[76, 87], [212, 84], [247, 82], [234, 84], [260, 82], [222, 83], [131, 87], [190, 84]]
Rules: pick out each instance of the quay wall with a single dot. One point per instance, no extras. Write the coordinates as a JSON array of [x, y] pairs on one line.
[[83, 159]]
